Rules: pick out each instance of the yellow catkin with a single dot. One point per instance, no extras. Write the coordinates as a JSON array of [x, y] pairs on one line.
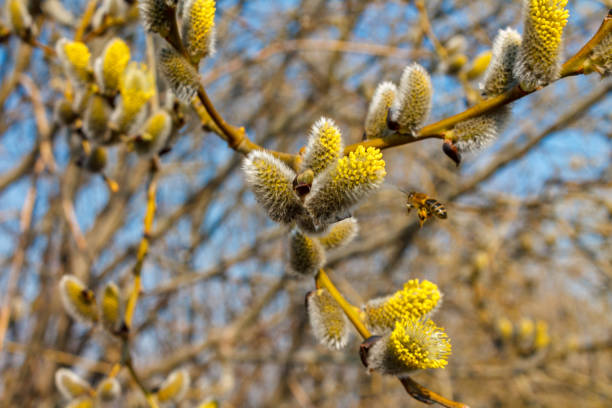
[[324, 146], [70, 385], [479, 65], [412, 103], [78, 301], [76, 58], [209, 404], [198, 27], [272, 183], [542, 338], [136, 88], [419, 344], [306, 256], [112, 64], [350, 181], [415, 300], [180, 74], [110, 306], [155, 133], [340, 233], [174, 387], [19, 18], [108, 390], [329, 323], [538, 59]]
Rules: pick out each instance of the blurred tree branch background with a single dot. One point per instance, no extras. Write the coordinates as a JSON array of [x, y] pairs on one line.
[[523, 259]]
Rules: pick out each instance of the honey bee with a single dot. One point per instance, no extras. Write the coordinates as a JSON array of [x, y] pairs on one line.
[[425, 205]]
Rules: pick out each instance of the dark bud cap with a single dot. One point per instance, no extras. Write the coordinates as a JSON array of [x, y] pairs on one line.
[[365, 347], [451, 151], [391, 124]]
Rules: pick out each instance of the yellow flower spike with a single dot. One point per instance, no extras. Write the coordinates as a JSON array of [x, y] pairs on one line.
[[71, 385], [108, 390], [79, 302], [412, 103], [75, 57], [340, 188], [306, 256], [340, 233], [18, 16], [174, 388], [376, 119], [110, 307], [136, 88], [414, 344], [198, 28], [479, 65], [329, 323], [109, 67], [156, 16], [542, 338], [500, 76], [154, 134], [83, 402], [182, 77], [272, 183], [415, 300], [538, 58], [97, 114], [324, 146]]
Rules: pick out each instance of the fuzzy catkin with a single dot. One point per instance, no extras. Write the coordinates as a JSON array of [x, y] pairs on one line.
[[154, 134], [306, 256], [412, 102], [340, 233], [324, 146], [95, 122], [601, 56], [109, 67], [340, 188], [272, 183], [198, 28], [329, 323], [108, 390], [180, 74], [538, 60], [110, 307], [414, 344], [70, 385], [499, 76], [376, 119], [174, 387], [79, 302], [478, 132], [156, 16]]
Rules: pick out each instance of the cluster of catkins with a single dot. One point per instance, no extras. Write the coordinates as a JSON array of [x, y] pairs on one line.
[[189, 28], [525, 336], [108, 101], [531, 61], [107, 314]]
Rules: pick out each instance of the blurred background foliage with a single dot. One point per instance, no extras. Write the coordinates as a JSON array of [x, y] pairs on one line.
[[524, 259]]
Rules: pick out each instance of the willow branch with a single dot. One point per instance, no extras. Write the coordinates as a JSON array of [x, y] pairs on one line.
[[144, 244], [414, 389], [87, 15]]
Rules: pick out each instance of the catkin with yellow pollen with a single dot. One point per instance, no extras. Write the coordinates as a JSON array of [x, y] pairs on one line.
[[180, 74], [75, 58], [154, 134], [538, 58], [376, 119], [110, 307], [136, 88], [79, 301], [412, 103], [71, 385], [272, 184], [174, 388], [18, 16], [415, 300], [329, 323], [108, 390], [198, 28], [109, 67], [306, 256], [324, 146], [340, 188], [414, 344]]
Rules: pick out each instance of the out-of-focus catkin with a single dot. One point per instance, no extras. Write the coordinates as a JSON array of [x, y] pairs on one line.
[[539, 55], [174, 388], [376, 119], [110, 307], [329, 323], [97, 115], [324, 146], [198, 28], [18, 17], [136, 88], [108, 390], [79, 301], [71, 385], [180, 74], [154, 134], [340, 188], [500, 76], [75, 58], [412, 102], [109, 67]]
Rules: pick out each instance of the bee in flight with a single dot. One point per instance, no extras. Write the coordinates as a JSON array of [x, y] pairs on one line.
[[425, 205]]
